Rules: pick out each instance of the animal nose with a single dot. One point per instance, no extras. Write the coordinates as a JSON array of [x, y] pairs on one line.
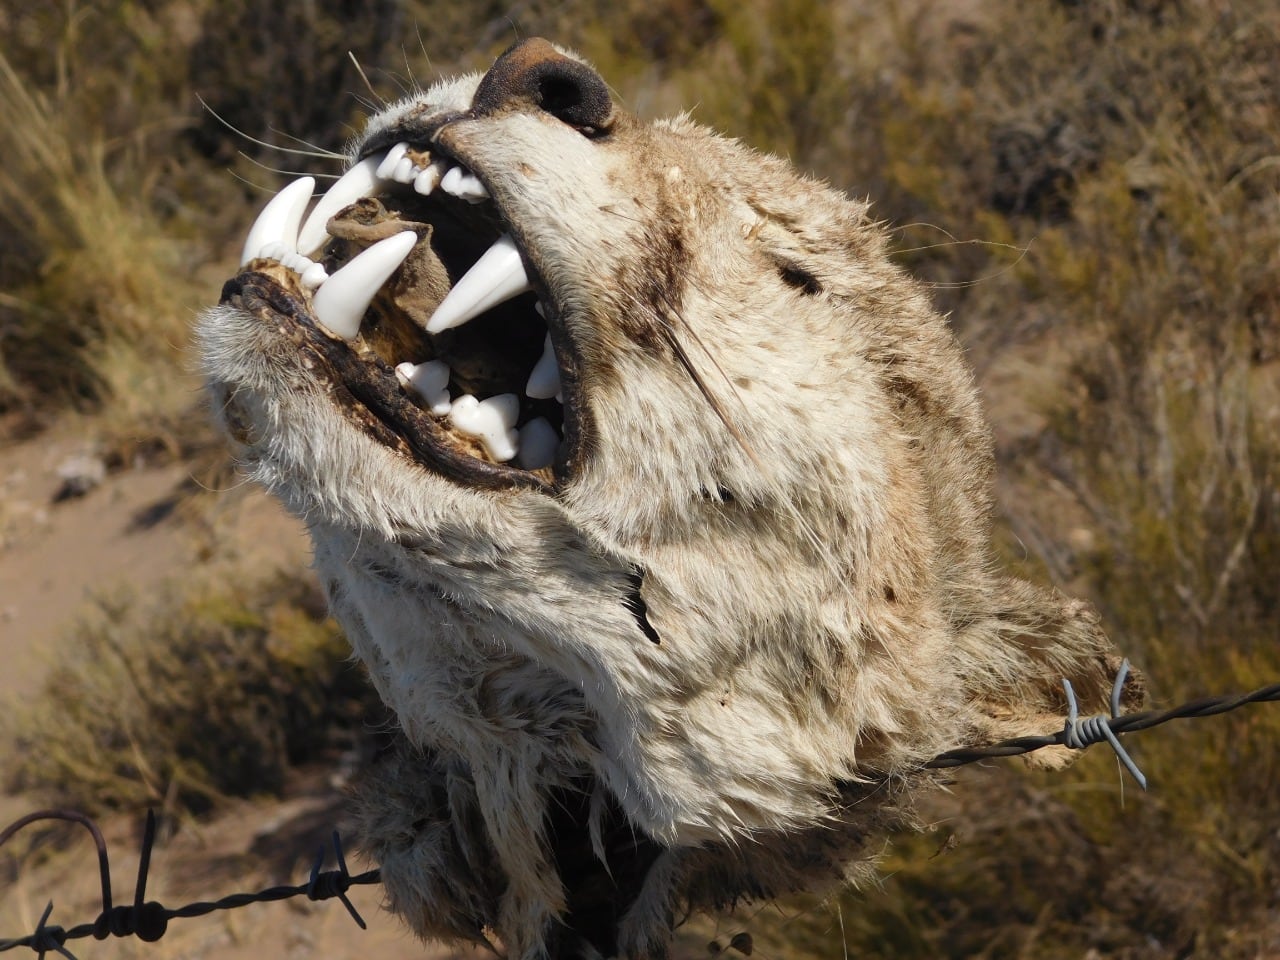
[[533, 75]]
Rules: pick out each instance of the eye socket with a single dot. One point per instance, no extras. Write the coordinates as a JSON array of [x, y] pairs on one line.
[[635, 603], [800, 279]]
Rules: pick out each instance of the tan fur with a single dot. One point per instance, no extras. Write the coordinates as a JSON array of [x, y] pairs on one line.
[[783, 439]]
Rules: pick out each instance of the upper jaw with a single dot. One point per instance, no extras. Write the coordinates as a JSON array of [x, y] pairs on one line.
[[436, 340]]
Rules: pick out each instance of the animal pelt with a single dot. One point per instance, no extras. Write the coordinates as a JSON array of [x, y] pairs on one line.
[[701, 655]]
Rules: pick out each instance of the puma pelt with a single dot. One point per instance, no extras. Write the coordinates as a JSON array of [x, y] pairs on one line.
[[653, 496]]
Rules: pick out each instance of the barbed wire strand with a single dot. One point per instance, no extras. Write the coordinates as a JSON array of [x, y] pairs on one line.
[[149, 920]]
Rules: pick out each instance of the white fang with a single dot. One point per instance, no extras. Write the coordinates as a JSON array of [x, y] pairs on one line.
[[496, 277], [491, 421], [341, 301], [360, 181], [538, 444], [544, 380], [430, 381], [278, 222]]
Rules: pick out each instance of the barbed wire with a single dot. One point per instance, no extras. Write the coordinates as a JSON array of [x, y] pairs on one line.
[[149, 920]]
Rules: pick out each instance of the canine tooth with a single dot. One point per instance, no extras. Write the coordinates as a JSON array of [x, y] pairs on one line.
[[538, 444], [491, 421], [544, 381], [393, 157], [360, 181], [497, 276], [339, 304], [464, 185], [429, 178], [278, 222], [429, 380]]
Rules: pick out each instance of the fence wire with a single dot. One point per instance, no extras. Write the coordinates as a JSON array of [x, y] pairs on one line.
[[148, 920]]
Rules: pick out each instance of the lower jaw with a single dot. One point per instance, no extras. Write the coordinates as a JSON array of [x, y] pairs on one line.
[[366, 391]]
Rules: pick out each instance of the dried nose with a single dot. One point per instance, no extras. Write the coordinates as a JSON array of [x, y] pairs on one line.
[[533, 75]]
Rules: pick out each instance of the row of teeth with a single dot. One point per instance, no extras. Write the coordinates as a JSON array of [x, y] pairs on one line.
[[284, 233]]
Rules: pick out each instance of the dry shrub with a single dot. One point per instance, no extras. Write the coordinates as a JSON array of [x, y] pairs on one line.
[[213, 692]]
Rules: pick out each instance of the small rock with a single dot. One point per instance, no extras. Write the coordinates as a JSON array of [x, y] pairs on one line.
[[79, 474]]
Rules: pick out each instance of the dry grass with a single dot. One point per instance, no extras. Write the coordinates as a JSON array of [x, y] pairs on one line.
[[178, 702], [102, 310]]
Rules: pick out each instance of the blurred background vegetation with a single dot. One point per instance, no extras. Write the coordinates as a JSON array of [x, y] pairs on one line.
[[1091, 189]]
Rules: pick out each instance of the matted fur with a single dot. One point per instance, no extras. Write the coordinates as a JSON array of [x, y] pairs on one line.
[[783, 448]]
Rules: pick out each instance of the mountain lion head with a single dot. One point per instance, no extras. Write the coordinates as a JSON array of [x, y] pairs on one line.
[[654, 497]]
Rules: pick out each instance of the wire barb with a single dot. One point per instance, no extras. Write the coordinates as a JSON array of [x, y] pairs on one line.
[[334, 883], [148, 920], [1079, 734]]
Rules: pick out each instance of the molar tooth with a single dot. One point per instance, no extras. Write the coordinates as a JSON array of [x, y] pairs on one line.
[[497, 276], [389, 162], [464, 185], [360, 181], [491, 421], [429, 380], [339, 304], [544, 381], [538, 444], [278, 222]]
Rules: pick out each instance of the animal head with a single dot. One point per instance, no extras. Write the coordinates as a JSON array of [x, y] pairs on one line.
[[630, 458]]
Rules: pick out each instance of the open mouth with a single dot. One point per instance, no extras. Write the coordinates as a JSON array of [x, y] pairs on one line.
[[419, 302]]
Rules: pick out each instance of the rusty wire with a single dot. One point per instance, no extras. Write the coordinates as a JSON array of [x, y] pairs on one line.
[[149, 920]]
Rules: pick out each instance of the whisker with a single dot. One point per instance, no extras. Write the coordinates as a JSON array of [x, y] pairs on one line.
[[408, 69], [322, 154], [319, 150], [962, 243], [417, 30], [964, 284], [365, 77], [287, 173]]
